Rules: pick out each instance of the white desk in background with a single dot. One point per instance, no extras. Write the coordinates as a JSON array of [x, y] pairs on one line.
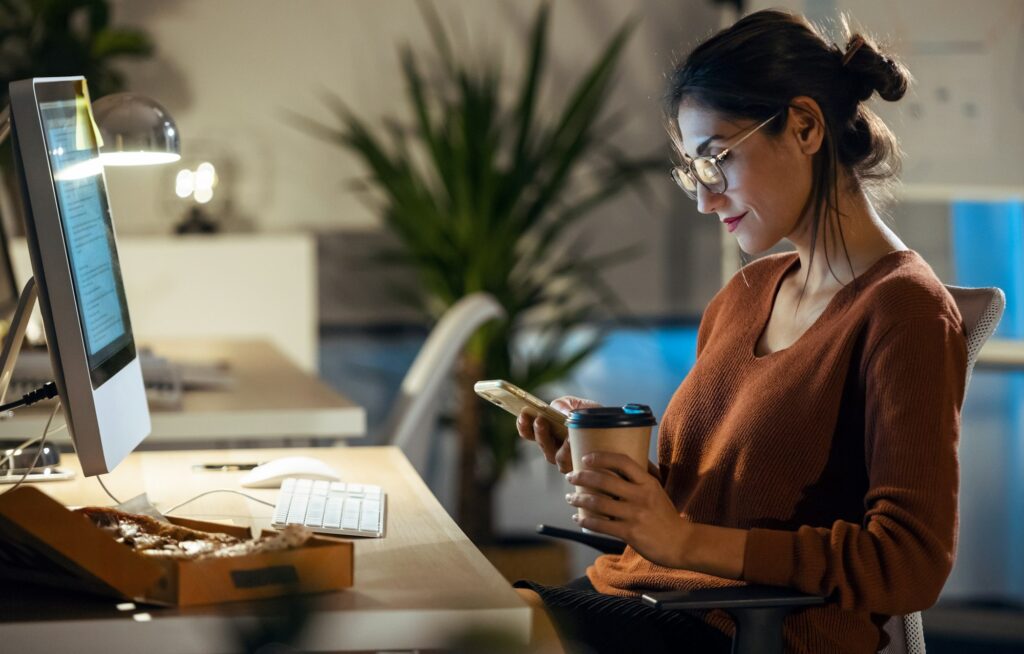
[[1002, 353], [269, 399], [415, 588]]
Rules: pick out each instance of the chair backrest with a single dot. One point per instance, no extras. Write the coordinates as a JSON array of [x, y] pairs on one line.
[[416, 404], [981, 310]]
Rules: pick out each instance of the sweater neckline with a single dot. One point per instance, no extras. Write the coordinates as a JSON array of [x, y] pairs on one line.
[[837, 300]]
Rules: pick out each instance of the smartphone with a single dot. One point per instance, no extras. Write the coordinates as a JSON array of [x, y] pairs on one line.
[[223, 467], [514, 400]]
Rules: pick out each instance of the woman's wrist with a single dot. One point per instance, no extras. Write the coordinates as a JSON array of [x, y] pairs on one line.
[[712, 550]]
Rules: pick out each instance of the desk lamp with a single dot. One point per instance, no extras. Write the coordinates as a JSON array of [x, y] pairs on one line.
[[135, 131]]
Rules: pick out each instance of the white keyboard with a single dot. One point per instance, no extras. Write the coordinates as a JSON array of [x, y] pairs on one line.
[[331, 507]]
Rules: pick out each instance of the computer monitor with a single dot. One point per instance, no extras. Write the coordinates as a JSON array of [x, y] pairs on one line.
[[73, 250]]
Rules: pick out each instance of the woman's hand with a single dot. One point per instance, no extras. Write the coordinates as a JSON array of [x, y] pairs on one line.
[[638, 512], [556, 449]]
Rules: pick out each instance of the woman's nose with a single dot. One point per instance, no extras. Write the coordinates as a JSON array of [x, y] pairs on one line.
[[708, 201]]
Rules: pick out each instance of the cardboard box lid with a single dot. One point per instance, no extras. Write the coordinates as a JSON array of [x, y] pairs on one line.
[[41, 541], [73, 543]]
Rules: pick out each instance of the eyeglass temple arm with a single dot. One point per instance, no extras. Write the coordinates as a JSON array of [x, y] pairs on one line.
[[724, 153]]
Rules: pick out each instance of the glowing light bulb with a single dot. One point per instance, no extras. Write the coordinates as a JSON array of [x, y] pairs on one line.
[[184, 183], [203, 195]]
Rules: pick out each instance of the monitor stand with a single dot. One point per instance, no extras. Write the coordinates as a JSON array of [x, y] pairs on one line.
[[45, 469], [16, 334]]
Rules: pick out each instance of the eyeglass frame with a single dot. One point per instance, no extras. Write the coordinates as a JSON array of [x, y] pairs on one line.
[[715, 160]]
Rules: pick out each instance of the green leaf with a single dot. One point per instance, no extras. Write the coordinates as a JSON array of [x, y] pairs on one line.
[[118, 42]]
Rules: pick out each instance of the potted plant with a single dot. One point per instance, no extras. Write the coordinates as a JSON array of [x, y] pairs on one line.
[[52, 38], [484, 195]]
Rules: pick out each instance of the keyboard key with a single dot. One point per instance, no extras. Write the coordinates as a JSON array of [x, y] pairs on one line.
[[337, 486], [297, 510], [369, 522], [371, 507], [321, 487], [288, 485], [281, 512], [350, 515], [332, 512], [315, 512]]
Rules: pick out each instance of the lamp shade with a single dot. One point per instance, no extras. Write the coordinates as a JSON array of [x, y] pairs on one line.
[[136, 131]]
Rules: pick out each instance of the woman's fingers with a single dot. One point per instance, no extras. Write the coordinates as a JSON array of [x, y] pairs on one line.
[[569, 403], [563, 458], [600, 525], [601, 505], [546, 439], [603, 481], [618, 463], [524, 425]]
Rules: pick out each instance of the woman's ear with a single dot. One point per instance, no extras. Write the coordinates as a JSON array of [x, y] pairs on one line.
[[807, 124]]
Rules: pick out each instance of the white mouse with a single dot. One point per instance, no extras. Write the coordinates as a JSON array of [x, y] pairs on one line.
[[272, 473]]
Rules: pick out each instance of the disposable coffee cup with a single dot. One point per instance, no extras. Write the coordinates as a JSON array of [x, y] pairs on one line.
[[622, 430]]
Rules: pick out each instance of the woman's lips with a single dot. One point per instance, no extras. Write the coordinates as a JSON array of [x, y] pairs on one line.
[[732, 223]]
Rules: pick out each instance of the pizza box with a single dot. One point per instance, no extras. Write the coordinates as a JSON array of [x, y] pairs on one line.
[[43, 542]]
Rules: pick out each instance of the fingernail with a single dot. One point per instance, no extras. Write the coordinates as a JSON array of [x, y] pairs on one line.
[[568, 476], [568, 498], [588, 458], [575, 517]]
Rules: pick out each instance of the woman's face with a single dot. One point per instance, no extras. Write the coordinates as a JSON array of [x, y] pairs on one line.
[[769, 177]]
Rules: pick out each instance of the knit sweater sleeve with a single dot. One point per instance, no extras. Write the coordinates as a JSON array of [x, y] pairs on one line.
[[896, 561]]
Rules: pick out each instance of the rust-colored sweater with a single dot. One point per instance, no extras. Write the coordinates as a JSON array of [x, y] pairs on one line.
[[838, 453]]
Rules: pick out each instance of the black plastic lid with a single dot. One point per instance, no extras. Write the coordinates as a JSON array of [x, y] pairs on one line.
[[631, 415]]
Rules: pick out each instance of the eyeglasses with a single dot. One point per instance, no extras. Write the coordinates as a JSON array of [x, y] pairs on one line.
[[707, 171]]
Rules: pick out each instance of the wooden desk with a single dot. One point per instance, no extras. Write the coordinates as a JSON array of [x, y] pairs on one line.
[[414, 588], [269, 398]]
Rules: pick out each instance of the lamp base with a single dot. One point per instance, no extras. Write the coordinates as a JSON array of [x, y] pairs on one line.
[[197, 222]]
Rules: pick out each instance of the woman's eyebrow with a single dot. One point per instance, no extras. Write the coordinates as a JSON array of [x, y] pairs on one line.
[[702, 149]]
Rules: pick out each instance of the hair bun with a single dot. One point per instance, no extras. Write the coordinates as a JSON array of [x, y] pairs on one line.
[[874, 71]]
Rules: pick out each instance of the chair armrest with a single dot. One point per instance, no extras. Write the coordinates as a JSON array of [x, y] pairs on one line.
[[738, 597], [601, 543], [758, 611]]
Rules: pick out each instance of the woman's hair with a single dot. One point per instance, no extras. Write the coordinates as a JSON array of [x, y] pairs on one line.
[[753, 69]]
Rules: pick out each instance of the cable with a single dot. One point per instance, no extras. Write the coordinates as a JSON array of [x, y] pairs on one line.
[[32, 441], [221, 490], [99, 478], [42, 444], [44, 392]]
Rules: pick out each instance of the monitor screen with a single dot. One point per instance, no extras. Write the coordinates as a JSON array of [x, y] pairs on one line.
[[88, 233]]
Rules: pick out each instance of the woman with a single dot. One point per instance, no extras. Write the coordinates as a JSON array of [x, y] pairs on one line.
[[813, 444]]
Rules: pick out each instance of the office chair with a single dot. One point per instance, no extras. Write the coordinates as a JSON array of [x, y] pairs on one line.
[[411, 417], [759, 611]]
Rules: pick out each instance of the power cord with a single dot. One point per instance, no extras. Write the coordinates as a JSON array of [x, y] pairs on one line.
[[220, 490], [188, 501], [32, 441], [44, 392], [49, 390], [105, 490], [42, 444]]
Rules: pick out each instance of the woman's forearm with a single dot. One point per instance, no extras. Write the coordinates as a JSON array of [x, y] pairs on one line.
[[714, 550]]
